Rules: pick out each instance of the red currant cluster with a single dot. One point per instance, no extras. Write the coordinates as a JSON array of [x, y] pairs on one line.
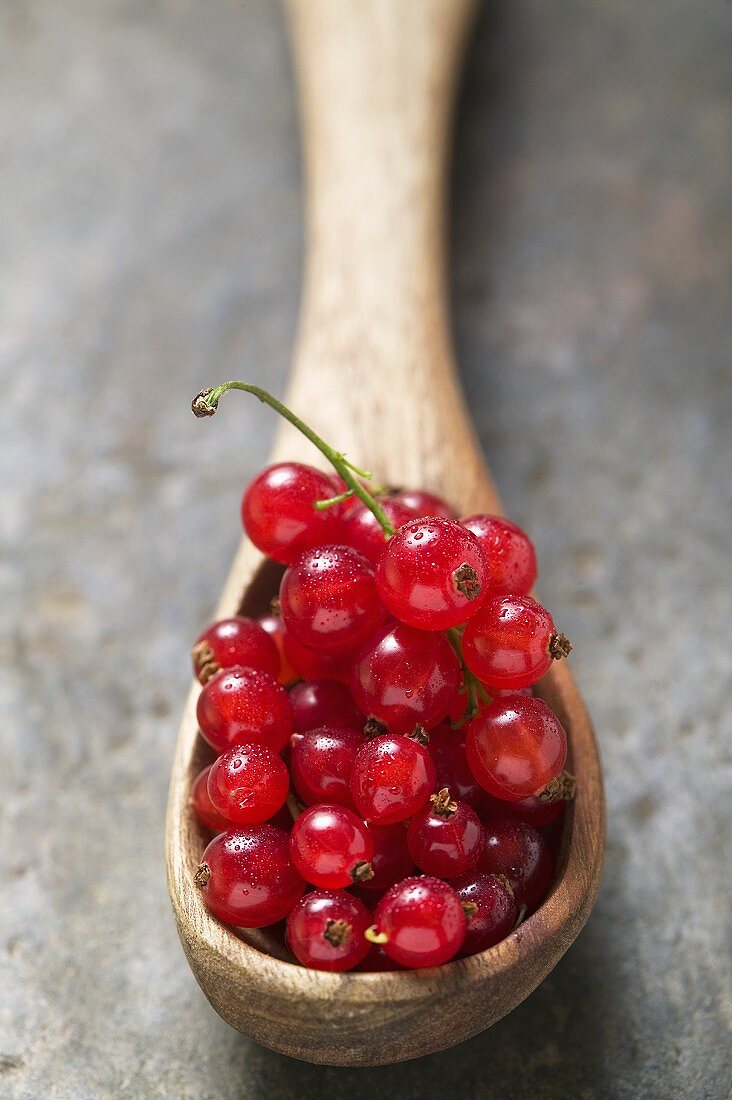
[[384, 771]]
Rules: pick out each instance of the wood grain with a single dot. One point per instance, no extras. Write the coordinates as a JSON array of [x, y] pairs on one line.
[[373, 372]]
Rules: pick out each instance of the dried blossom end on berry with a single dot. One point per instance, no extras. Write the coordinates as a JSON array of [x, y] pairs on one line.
[[337, 932], [442, 804], [562, 788], [201, 405], [202, 875], [466, 581], [559, 646]]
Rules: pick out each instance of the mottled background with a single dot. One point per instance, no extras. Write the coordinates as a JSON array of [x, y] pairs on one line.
[[150, 243]]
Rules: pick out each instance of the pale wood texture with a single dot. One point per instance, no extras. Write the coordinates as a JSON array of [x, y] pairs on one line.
[[374, 373]]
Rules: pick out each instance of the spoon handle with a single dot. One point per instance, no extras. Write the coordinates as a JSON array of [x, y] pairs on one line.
[[373, 368]]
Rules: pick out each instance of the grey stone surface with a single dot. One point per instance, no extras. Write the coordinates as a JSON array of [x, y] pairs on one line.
[[150, 243]]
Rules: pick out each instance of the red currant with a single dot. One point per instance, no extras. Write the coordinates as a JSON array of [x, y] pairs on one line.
[[274, 626], [311, 665], [422, 922], [510, 642], [203, 808], [331, 847], [447, 749], [317, 703], [325, 930], [248, 784], [244, 705], [445, 837], [279, 514], [490, 908], [392, 778], [321, 763], [531, 810], [509, 552], [237, 641], [420, 503], [391, 860], [329, 599], [247, 878], [432, 574], [378, 962], [362, 530], [515, 747], [518, 851], [405, 677]]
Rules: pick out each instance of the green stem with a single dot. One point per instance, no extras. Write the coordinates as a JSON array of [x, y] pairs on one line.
[[471, 683], [206, 402]]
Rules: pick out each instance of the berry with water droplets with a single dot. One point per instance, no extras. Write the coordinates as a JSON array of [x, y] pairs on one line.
[[246, 876], [326, 930], [432, 574]]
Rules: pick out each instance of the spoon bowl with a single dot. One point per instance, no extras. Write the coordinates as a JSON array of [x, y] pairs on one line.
[[374, 375]]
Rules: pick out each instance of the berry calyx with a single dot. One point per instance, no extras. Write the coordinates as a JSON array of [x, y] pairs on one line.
[[419, 922], [331, 847], [432, 574], [511, 642]]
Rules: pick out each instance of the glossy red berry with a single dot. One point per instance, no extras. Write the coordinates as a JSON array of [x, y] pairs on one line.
[[279, 514], [511, 642], [509, 552], [246, 876], [274, 626], [432, 574], [331, 847], [317, 703], [422, 922], [362, 530], [531, 810], [445, 837], [378, 962], [515, 747], [490, 909], [420, 503], [248, 784], [329, 599], [391, 860], [405, 677], [244, 705], [203, 808], [447, 749], [311, 665], [321, 762], [326, 930], [392, 778], [237, 641], [518, 851]]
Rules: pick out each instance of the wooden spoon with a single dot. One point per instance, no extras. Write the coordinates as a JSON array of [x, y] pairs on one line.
[[374, 375]]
